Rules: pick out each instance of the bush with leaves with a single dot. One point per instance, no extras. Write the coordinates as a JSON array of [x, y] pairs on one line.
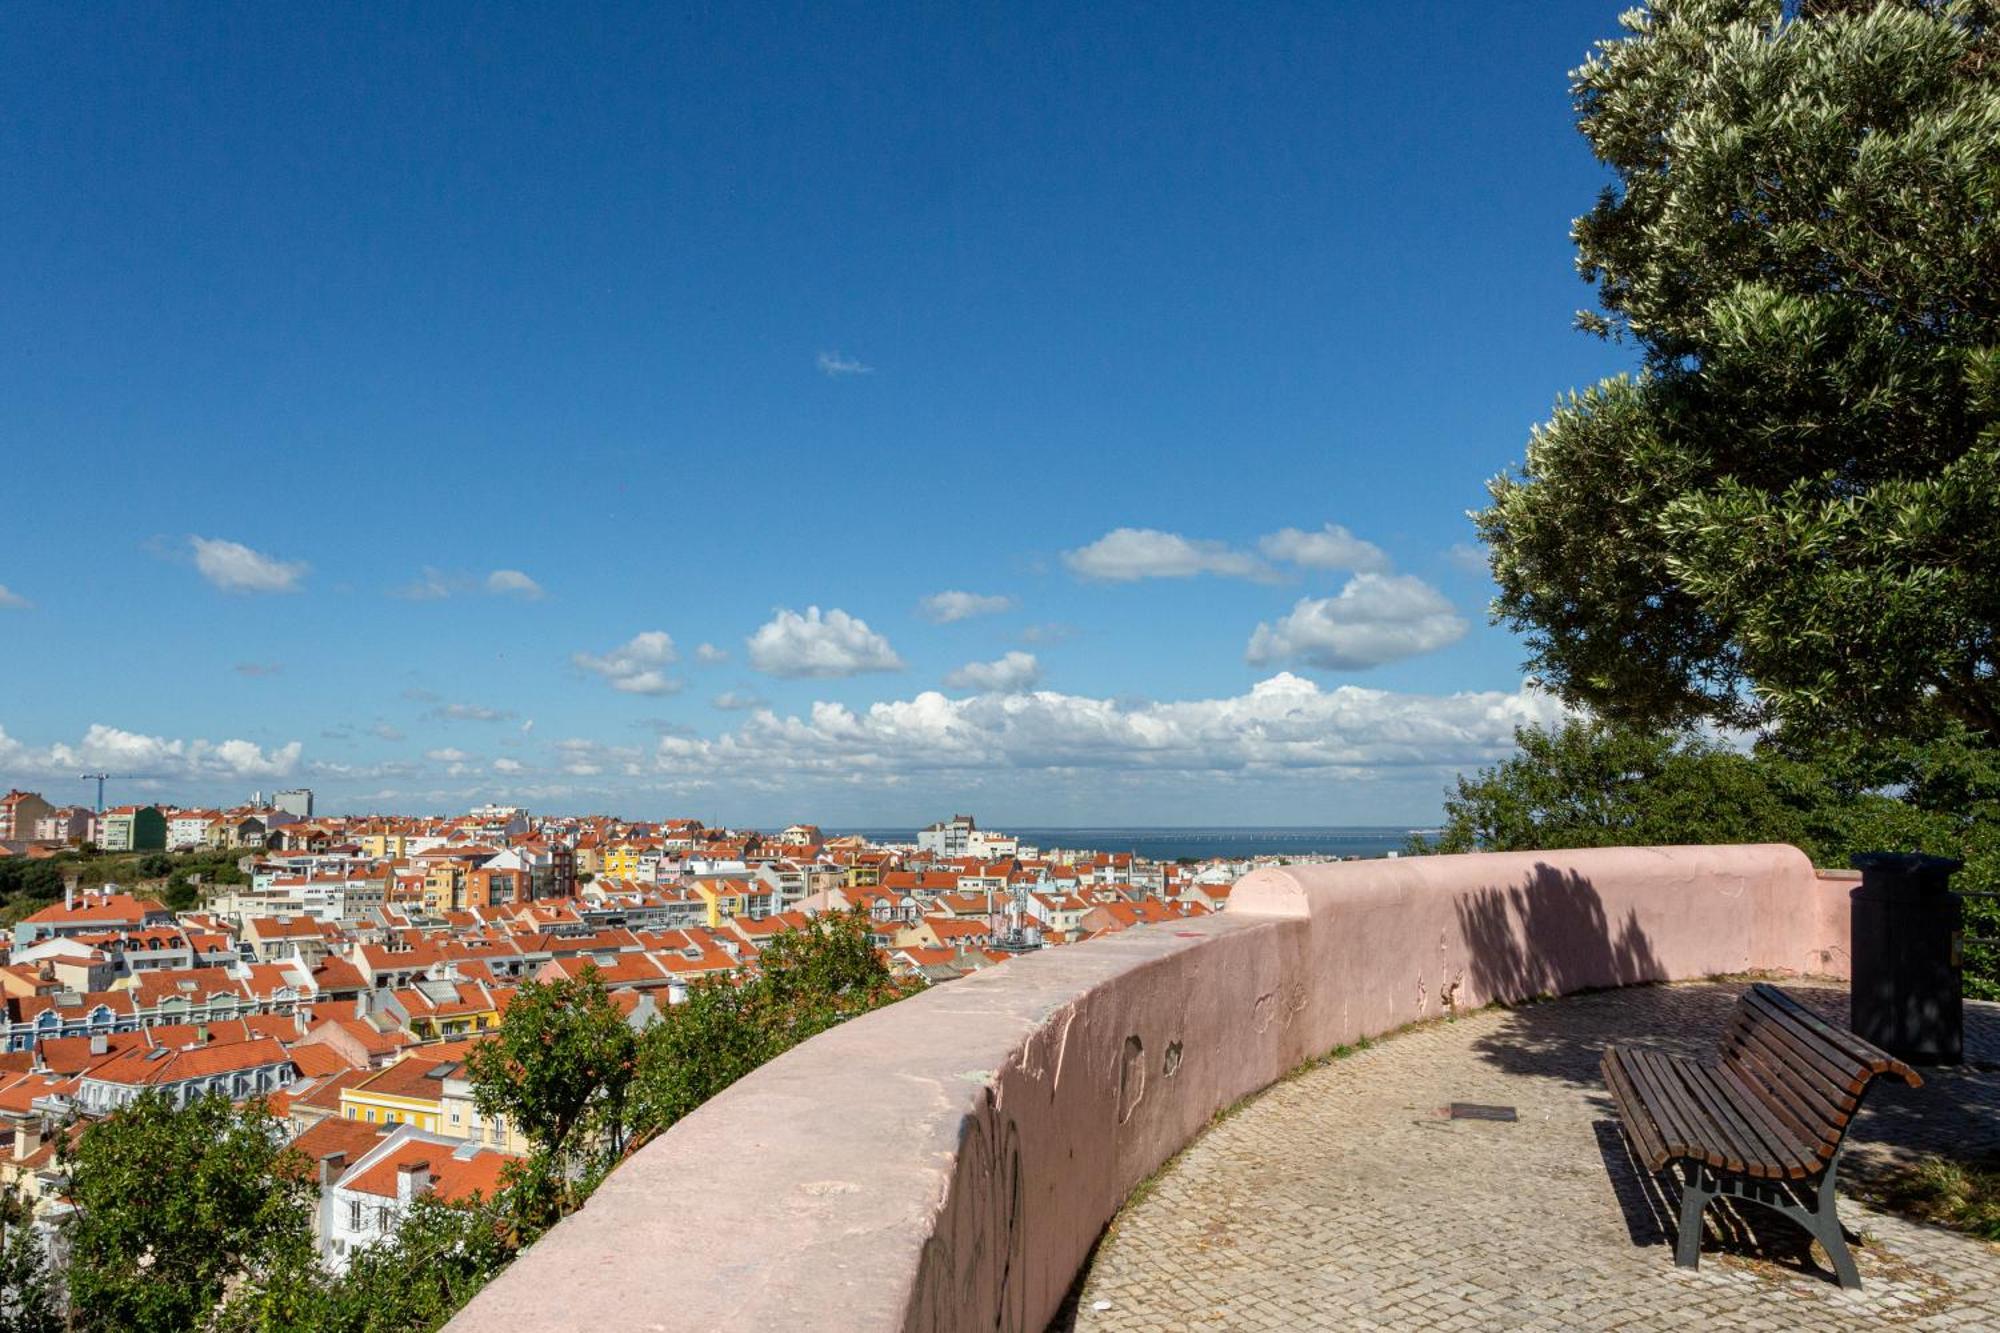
[[558, 1068], [806, 981], [174, 1203]]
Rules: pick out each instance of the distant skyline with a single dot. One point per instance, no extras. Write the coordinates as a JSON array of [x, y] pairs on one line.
[[771, 413]]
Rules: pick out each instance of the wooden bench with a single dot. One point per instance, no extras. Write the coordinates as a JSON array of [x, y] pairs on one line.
[[1761, 1122]]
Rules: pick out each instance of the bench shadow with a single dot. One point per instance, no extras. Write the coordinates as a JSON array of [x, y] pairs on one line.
[[1651, 1207]]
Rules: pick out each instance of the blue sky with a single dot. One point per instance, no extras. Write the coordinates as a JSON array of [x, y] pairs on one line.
[[684, 321]]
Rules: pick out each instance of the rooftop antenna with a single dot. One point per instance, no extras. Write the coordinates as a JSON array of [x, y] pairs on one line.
[[100, 779]]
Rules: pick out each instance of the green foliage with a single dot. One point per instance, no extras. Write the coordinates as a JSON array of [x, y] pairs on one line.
[[558, 1067], [441, 1254], [1962, 1196], [1598, 784], [1792, 512], [171, 1204], [28, 1285], [807, 981]]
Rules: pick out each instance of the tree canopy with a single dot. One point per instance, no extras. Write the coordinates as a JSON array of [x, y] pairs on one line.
[[172, 1204], [1791, 513]]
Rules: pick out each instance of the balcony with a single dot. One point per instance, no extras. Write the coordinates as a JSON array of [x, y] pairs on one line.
[[951, 1161]]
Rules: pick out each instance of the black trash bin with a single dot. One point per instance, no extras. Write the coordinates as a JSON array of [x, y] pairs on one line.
[[1907, 990]]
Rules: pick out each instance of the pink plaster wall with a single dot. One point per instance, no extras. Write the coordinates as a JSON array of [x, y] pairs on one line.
[[948, 1162]]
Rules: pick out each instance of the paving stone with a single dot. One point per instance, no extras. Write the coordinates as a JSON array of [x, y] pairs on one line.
[[1344, 1198]]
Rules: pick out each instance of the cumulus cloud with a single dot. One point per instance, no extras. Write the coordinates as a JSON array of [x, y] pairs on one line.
[[1282, 725], [114, 750], [447, 755], [638, 666], [737, 701], [1332, 547], [234, 567], [1375, 618], [13, 601], [942, 608], [834, 365], [586, 758], [513, 583], [1125, 555], [709, 655], [506, 766], [1016, 671], [383, 731], [835, 644]]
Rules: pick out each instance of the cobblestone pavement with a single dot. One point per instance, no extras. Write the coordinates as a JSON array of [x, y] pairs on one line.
[[1343, 1197]]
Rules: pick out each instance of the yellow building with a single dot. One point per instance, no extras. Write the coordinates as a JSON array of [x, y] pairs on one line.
[[621, 860], [409, 1092]]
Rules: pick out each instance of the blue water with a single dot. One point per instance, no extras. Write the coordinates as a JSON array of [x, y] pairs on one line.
[[1171, 844]]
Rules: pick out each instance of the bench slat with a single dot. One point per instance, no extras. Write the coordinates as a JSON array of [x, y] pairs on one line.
[[1693, 1131], [1791, 1140], [1795, 1079], [1780, 1154], [1865, 1053], [1839, 1086], [1757, 1156], [1807, 1125], [1639, 1126]]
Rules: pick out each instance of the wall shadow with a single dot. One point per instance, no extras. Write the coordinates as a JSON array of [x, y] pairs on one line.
[[1550, 936]]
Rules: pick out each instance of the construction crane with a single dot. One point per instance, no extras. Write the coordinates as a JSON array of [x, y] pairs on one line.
[[100, 779]]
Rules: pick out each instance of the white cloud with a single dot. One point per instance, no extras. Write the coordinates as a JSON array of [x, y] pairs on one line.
[[709, 655], [1016, 671], [1376, 618], [836, 644], [1468, 558], [471, 713], [1332, 547], [1284, 724], [13, 601], [234, 567], [113, 750], [1125, 555], [513, 583], [383, 731], [431, 586], [506, 766], [942, 608], [835, 365], [637, 666], [737, 701], [446, 756]]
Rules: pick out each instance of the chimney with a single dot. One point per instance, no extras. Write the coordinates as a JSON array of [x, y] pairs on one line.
[[69, 891], [201, 1035], [413, 1181], [100, 1044], [330, 1167], [27, 1138]]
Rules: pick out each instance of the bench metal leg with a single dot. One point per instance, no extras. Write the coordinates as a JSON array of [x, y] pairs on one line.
[[1812, 1207], [1826, 1230], [1697, 1188]]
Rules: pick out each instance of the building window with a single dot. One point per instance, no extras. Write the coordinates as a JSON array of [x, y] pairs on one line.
[[354, 1214]]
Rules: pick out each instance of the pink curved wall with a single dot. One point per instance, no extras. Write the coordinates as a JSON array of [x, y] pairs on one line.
[[948, 1162]]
